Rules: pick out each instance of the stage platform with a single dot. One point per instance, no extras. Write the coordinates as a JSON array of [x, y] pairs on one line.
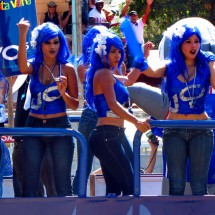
[[143, 205]]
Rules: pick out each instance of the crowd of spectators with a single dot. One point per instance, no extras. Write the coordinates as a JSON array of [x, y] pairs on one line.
[[97, 13]]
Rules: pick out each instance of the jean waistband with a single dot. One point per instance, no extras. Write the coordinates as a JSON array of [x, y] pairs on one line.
[[48, 121], [109, 127]]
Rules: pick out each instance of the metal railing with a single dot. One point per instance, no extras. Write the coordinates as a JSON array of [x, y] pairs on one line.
[[82, 186], [195, 124], [189, 124]]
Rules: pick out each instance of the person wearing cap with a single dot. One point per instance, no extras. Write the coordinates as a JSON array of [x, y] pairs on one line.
[[51, 15], [97, 15], [108, 13], [138, 26]]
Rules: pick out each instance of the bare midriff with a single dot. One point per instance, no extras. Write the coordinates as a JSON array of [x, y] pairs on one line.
[[178, 116], [111, 121], [48, 116]]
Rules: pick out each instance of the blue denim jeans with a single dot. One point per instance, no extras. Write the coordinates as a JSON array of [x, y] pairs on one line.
[[106, 143], [61, 147], [86, 124], [180, 145]]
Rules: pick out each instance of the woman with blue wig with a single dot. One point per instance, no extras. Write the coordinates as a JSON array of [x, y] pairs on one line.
[[89, 116], [53, 87], [107, 94], [189, 72]]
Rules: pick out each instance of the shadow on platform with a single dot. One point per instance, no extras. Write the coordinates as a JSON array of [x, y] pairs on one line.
[[143, 205]]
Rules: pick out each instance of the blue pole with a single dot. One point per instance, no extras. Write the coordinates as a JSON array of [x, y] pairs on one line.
[[190, 124], [136, 152], [74, 29], [194, 124]]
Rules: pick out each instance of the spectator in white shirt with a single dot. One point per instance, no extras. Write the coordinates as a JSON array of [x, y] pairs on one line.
[[97, 15], [138, 26]]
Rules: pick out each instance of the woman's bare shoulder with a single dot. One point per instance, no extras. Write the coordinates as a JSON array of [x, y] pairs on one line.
[[103, 75], [104, 71], [67, 68]]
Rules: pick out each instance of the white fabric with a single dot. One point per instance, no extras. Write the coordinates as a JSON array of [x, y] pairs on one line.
[[211, 90], [139, 31], [15, 96], [27, 104], [98, 1], [19, 82], [99, 17]]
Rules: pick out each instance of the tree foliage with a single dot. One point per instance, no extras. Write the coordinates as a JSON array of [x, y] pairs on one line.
[[165, 13]]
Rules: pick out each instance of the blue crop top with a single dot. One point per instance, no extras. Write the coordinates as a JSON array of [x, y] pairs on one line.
[[45, 99], [181, 99], [101, 104]]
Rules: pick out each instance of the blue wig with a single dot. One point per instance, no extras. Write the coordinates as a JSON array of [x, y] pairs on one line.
[[44, 33], [87, 42], [181, 34], [100, 50]]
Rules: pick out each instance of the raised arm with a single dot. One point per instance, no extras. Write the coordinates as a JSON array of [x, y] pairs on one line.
[[146, 14], [125, 8], [141, 65], [91, 4], [158, 71], [24, 66]]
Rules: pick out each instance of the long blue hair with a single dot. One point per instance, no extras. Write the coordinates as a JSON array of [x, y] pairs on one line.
[[48, 31], [97, 62], [87, 43], [177, 62]]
